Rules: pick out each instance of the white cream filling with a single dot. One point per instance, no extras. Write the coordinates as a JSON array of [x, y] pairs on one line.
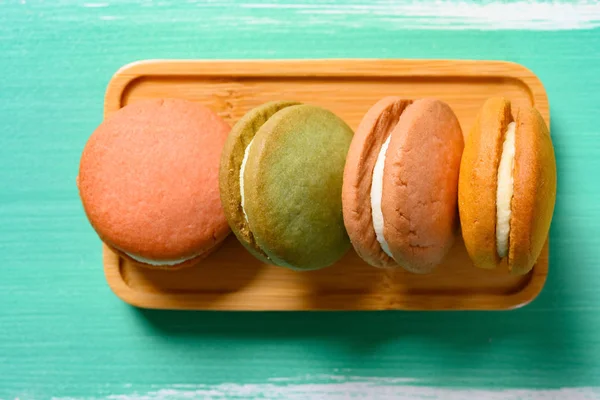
[[504, 192], [377, 194], [158, 263], [242, 170]]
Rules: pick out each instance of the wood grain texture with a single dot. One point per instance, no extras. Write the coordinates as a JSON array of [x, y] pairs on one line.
[[231, 279], [62, 331]]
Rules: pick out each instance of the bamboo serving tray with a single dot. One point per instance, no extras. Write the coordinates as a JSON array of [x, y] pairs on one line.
[[231, 279]]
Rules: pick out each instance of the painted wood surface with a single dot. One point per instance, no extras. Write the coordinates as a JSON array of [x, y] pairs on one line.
[[64, 334]]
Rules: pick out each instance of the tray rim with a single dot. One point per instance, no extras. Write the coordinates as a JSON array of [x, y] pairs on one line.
[[324, 67], [320, 67], [148, 300]]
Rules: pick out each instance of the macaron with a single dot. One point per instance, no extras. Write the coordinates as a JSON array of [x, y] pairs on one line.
[[400, 184], [281, 181], [148, 182], [507, 186]]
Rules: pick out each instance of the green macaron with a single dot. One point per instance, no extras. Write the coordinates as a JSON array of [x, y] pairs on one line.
[[281, 181]]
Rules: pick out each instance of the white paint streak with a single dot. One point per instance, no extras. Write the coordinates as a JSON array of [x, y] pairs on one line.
[[95, 5], [334, 387], [459, 15]]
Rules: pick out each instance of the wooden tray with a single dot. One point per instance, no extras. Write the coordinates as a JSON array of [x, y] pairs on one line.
[[232, 279]]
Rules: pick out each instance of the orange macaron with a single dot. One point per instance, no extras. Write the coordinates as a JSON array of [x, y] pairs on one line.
[[507, 186], [148, 182], [400, 184]]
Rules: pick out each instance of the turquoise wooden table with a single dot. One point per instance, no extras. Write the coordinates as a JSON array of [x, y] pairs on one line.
[[64, 334]]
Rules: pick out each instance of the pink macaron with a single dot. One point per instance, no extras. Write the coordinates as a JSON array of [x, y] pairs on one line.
[[148, 182], [400, 184]]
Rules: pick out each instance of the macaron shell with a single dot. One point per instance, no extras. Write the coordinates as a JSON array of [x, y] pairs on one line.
[[294, 181], [229, 171], [372, 131], [534, 192], [478, 182], [148, 179], [420, 185]]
